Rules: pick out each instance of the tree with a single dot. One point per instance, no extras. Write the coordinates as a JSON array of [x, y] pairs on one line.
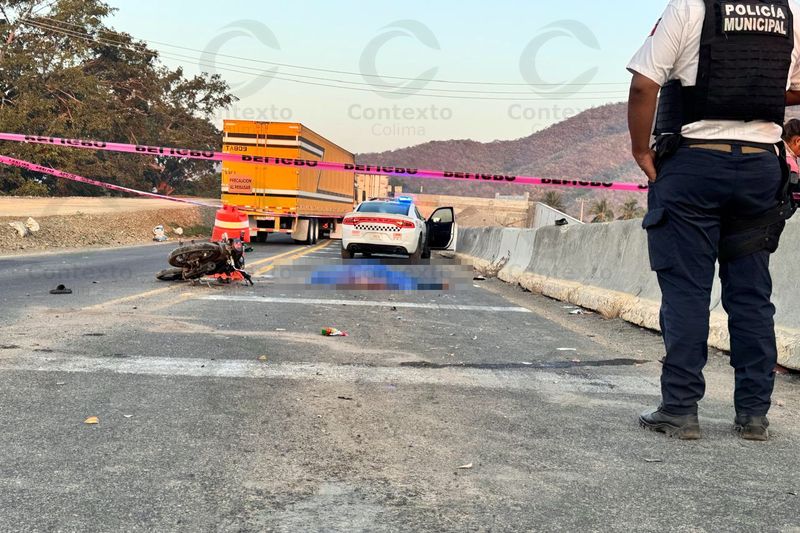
[[65, 74], [554, 199], [601, 209], [631, 210]]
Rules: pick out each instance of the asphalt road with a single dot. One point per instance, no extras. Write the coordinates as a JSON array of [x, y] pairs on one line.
[[222, 408]]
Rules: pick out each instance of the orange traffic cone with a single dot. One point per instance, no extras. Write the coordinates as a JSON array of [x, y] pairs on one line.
[[231, 222]]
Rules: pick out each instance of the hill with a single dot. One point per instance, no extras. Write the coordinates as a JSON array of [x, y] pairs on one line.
[[593, 145]]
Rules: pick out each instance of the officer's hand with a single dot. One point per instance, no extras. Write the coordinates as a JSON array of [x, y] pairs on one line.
[[647, 162]]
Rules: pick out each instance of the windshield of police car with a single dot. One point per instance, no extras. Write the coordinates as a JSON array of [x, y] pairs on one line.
[[386, 208]]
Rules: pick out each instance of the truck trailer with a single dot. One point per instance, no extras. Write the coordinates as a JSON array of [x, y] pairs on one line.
[[307, 203]]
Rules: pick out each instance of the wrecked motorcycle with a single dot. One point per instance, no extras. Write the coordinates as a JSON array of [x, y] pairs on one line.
[[222, 260]]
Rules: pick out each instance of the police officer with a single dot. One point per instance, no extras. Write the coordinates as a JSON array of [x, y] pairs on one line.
[[725, 70]]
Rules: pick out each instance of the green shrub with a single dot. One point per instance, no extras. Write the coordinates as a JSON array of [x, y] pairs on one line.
[[31, 188]]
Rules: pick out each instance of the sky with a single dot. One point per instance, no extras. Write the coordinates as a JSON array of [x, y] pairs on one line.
[[376, 76]]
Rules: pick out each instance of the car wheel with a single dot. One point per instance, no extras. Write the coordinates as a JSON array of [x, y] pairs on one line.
[[417, 255], [347, 254]]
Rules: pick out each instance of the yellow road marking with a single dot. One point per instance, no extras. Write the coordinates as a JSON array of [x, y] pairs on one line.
[[125, 299], [156, 292], [175, 301], [295, 256], [271, 258]]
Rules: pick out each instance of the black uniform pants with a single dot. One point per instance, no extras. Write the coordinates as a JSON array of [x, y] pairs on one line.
[[695, 188]]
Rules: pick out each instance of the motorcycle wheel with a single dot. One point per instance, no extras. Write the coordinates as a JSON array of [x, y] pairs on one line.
[[170, 274], [195, 254], [201, 270]]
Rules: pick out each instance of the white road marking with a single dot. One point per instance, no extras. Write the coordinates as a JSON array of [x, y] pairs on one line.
[[367, 303], [545, 383]]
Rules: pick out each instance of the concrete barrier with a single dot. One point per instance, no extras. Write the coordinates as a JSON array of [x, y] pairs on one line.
[[605, 267]]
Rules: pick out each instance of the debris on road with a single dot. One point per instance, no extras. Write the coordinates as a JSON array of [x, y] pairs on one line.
[[567, 349], [467, 466], [61, 289], [653, 461], [346, 398], [92, 420], [263, 358], [479, 277], [333, 332], [128, 416], [159, 235], [579, 312]]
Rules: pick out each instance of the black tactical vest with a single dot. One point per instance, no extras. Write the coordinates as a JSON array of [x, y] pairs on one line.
[[745, 58]]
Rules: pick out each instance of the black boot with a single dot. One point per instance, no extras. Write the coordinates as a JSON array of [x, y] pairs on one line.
[[752, 427], [684, 427]]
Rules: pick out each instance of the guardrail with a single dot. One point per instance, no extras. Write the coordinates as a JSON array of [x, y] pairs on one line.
[[605, 268]]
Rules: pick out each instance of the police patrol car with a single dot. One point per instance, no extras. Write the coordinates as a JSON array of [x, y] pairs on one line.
[[395, 226]]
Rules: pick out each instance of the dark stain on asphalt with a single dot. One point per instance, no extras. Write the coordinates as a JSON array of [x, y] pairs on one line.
[[524, 366], [94, 334], [9, 346]]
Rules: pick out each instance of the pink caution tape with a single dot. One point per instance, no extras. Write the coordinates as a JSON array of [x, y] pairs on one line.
[[73, 177], [403, 172]]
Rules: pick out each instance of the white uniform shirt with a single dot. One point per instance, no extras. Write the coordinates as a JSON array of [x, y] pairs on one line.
[[673, 52]]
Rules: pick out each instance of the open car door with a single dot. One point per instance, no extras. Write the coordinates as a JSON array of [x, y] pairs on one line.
[[442, 229]]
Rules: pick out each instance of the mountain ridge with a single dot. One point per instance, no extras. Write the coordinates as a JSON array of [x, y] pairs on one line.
[[592, 145]]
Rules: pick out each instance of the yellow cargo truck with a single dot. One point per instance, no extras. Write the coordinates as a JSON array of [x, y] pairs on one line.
[[306, 202]]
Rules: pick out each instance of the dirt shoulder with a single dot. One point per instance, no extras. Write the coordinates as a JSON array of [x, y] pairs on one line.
[[16, 206], [94, 222]]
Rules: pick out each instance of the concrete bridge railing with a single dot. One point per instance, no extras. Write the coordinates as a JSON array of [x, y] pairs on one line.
[[605, 268]]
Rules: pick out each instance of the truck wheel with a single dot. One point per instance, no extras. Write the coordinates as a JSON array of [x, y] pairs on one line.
[[310, 234], [262, 237]]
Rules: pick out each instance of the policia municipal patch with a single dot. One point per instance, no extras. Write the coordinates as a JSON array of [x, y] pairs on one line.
[[751, 17]]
